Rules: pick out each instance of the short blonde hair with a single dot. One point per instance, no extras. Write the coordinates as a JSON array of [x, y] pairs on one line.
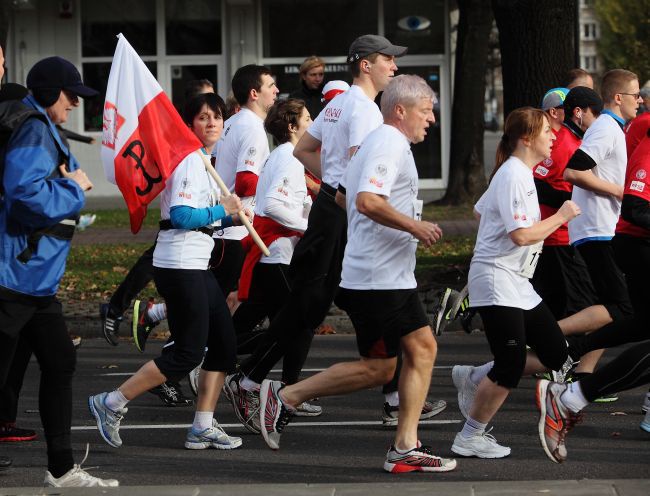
[[310, 63], [615, 81]]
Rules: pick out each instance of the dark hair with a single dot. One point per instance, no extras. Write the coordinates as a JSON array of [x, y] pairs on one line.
[[572, 75], [232, 106], [524, 122], [193, 107], [247, 78], [281, 116], [355, 67], [195, 87]]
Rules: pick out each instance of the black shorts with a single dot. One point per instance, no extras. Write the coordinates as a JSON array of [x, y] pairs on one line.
[[382, 317], [562, 280], [607, 278], [226, 262]]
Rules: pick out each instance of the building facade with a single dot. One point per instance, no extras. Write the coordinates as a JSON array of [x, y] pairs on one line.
[[181, 40]]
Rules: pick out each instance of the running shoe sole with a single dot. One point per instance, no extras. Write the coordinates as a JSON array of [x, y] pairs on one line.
[[208, 444], [134, 326]]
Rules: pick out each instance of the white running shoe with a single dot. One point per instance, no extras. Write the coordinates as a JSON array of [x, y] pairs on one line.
[[645, 408], [460, 374], [645, 423], [193, 379], [212, 437], [306, 409], [78, 477], [481, 446]]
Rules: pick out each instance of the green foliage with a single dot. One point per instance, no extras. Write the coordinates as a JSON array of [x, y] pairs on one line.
[[436, 213], [119, 217], [625, 35]]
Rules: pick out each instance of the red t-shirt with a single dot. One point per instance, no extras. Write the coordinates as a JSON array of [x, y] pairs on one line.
[[551, 171], [635, 131], [637, 183]]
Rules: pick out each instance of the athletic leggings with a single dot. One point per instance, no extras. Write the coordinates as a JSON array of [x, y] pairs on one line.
[[46, 335], [268, 292], [633, 257], [627, 371], [198, 317], [509, 330]]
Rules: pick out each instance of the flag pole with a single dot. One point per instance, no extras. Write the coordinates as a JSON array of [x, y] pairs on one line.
[[225, 191]]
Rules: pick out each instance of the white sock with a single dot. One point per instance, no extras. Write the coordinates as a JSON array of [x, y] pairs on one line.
[[249, 385], [573, 398], [403, 451], [115, 400], [202, 421], [478, 373], [472, 428], [157, 312], [392, 398]]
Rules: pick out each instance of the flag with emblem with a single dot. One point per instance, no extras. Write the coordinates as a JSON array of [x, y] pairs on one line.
[[143, 137]]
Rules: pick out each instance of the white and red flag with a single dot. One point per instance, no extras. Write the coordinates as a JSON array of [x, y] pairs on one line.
[[144, 138]]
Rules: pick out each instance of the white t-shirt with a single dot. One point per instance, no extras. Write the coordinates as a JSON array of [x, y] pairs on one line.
[[283, 179], [343, 123], [243, 147], [604, 142], [495, 273], [376, 256], [190, 185]]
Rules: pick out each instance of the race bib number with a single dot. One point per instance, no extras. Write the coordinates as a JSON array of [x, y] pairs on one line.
[[530, 259]]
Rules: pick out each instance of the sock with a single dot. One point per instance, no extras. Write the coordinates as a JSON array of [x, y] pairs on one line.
[[249, 385], [115, 400], [404, 451], [392, 398], [478, 373], [157, 312], [202, 421], [573, 398], [472, 428]]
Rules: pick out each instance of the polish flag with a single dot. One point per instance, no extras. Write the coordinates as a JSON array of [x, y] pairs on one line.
[[144, 138]]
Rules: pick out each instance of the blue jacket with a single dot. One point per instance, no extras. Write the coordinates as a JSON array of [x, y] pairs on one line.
[[33, 200]]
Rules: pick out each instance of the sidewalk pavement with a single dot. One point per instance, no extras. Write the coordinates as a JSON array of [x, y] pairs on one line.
[[585, 487]]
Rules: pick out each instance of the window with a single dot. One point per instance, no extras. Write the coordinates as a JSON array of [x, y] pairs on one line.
[[416, 24], [296, 28], [101, 22], [589, 31], [192, 28]]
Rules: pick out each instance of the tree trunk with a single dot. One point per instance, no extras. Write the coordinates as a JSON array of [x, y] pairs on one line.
[[466, 168], [537, 47]]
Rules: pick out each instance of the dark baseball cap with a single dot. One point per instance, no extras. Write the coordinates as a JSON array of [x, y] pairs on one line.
[[373, 43], [56, 73], [582, 97]]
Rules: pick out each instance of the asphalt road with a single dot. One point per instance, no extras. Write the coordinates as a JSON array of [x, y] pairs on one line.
[[347, 444]]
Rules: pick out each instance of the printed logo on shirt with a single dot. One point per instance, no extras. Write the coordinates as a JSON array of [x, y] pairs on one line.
[[530, 193], [250, 163], [637, 186], [187, 196], [381, 170], [185, 183], [376, 182], [548, 162], [640, 174], [541, 170], [252, 151], [332, 114], [283, 187], [516, 203]]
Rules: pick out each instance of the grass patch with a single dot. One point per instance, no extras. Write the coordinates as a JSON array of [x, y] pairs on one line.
[[119, 217], [93, 272], [436, 213]]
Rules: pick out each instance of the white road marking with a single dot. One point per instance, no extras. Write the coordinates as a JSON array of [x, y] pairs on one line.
[[234, 426]]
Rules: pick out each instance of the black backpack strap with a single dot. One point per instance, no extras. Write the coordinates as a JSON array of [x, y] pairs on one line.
[[63, 230]]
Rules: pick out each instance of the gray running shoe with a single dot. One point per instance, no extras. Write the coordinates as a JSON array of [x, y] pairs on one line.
[[246, 404], [390, 414], [108, 421], [110, 324], [274, 414], [193, 379], [441, 312], [460, 374], [212, 437]]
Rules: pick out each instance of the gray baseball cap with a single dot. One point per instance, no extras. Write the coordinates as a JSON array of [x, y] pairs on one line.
[[373, 43]]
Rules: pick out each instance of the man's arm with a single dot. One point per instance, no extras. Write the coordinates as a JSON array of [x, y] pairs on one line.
[[378, 209], [578, 172], [307, 150]]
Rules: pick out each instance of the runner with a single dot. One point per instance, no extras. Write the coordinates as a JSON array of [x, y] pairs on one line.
[[378, 283], [197, 311], [507, 247]]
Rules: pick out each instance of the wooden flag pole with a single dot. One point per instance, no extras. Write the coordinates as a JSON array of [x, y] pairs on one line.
[[224, 191]]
